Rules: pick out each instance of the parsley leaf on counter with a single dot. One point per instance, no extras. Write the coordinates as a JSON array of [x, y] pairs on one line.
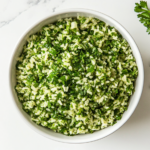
[[144, 15]]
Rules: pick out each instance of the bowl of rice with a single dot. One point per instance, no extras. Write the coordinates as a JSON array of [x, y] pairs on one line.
[[76, 76]]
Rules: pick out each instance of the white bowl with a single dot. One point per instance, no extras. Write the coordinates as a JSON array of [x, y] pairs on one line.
[[133, 100]]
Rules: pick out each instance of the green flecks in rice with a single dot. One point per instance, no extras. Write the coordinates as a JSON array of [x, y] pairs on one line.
[[76, 76]]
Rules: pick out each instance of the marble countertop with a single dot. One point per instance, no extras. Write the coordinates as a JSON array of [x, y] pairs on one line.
[[16, 16]]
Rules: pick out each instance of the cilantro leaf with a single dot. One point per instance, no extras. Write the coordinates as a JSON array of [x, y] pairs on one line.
[[63, 79], [91, 69], [53, 51], [144, 15], [59, 95], [52, 75]]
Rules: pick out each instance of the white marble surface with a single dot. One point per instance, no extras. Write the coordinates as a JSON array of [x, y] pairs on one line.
[[18, 15]]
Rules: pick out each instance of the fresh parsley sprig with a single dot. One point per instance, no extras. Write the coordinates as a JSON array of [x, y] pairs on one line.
[[144, 14]]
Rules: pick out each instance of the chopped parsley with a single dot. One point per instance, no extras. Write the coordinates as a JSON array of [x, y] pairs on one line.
[[76, 76]]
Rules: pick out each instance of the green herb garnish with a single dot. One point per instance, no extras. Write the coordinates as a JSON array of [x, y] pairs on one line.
[[144, 15]]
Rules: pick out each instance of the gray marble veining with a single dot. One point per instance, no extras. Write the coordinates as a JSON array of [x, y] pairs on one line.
[[28, 5]]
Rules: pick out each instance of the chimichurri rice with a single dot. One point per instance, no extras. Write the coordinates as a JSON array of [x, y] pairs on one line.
[[76, 76]]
